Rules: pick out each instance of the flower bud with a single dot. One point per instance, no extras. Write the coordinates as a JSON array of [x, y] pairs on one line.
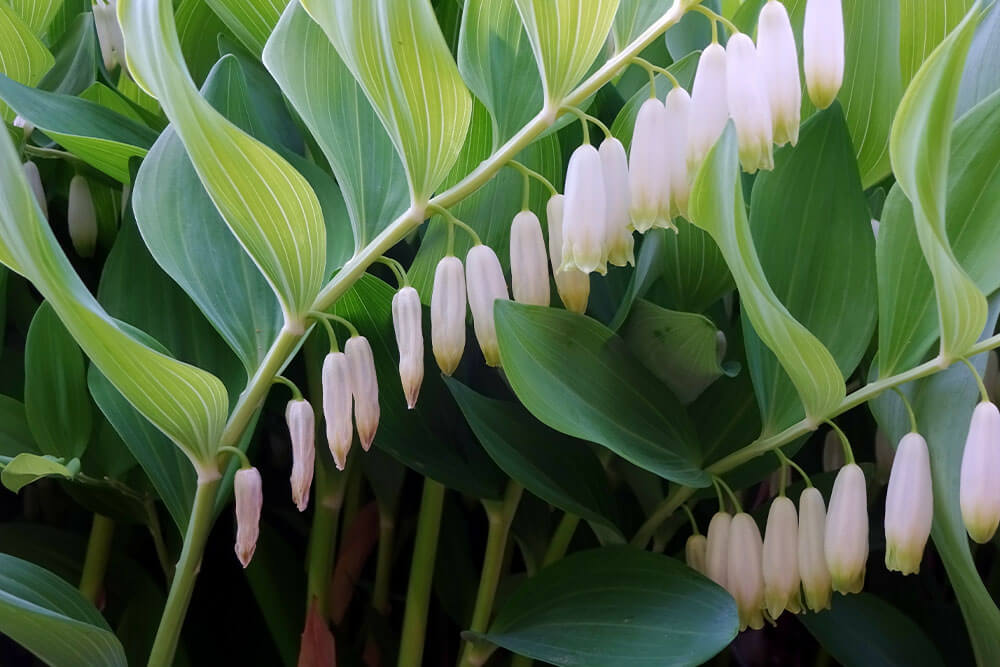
[[618, 225], [648, 176], [364, 386], [846, 539], [109, 33], [717, 548], [529, 268], [448, 313], [744, 574], [337, 406], [249, 499], [302, 429], [978, 495], [781, 559], [584, 221], [485, 285], [695, 552], [823, 50], [833, 452], [35, 181], [779, 71], [748, 105], [909, 506], [709, 109], [81, 217], [677, 122], [572, 284], [406, 316], [812, 552], [25, 125]]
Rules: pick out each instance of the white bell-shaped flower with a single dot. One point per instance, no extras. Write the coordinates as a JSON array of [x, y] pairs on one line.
[[709, 108], [248, 491], [529, 267], [485, 284], [909, 505], [695, 552], [648, 169], [81, 217], [823, 50], [364, 387], [779, 71], [748, 105], [448, 313], [302, 429], [781, 559], [407, 314], [573, 285], [618, 225], [109, 33], [978, 493], [744, 574], [846, 539], [815, 575], [584, 226], [717, 548], [338, 406], [35, 181], [677, 122]]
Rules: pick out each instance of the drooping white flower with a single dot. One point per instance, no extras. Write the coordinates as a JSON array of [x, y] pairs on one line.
[[247, 489], [485, 284], [35, 181], [302, 429], [618, 226], [26, 125], [573, 285], [677, 122], [695, 552], [109, 33], [338, 406], [909, 505], [649, 178], [364, 387], [448, 314], [823, 50], [407, 314], [748, 104], [781, 559], [585, 215], [709, 108], [779, 71], [717, 548], [529, 267], [978, 495], [81, 217], [813, 571], [846, 538], [744, 574]]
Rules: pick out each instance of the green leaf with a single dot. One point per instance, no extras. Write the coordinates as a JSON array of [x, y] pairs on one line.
[[25, 469], [267, 204], [924, 25], [76, 58], [811, 208], [37, 14], [559, 470], [51, 619], [616, 606], [634, 16], [717, 207], [97, 135], [396, 52], [692, 32], [15, 434], [197, 26], [106, 97], [920, 146], [605, 395], [55, 387], [23, 57], [251, 22], [982, 64]]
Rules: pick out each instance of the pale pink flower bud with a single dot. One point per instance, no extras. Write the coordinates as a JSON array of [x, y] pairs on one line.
[[717, 548], [823, 50], [406, 315], [846, 538], [695, 552], [978, 494], [909, 505], [109, 33], [364, 386], [744, 573], [748, 105], [81, 217], [813, 571], [781, 559], [302, 429], [779, 71], [833, 452], [572, 284], [677, 123], [485, 284], [35, 181], [709, 108], [249, 499], [648, 177], [337, 406], [618, 226], [585, 219], [448, 314], [529, 268]]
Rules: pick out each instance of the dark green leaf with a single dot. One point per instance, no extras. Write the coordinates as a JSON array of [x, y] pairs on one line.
[[15, 435], [76, 58]]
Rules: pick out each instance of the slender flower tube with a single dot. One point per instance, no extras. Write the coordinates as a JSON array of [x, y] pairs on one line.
[[846, 539], [448, 313], [709, 108], [573, 285], [485, 285], [585, 216], [302, 429], [744, 574], [909, 506], [781, 559], [364, 386], [529, 268], [81, 217], [35, 181], [823, 50], [618, 225], [812, 552], [695, 552], [978, 496], [748, 104], [337, 406], [677, 122], [648, 177], [249, 498], [109, 33], [717, 548], [779, 71], [406, 315]]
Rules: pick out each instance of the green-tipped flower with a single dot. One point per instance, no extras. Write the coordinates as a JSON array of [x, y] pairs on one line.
[[695, 552], [485, 284], [823, 50], [909, 505], [746, 95], [572, 284], [744, 573], [717, 548], [529, 268], [978, 495], [812, 553], [617, 224], [781, 559], [448, 307], [846, 539]]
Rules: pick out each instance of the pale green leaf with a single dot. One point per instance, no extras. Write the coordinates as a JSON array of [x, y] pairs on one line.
[[99, 93], [37, 14], [23, 57], [251, 21], [197, 28], [76, 57], [982, 66], [634, 16], [15, 434], [25, 469], [923, 25]]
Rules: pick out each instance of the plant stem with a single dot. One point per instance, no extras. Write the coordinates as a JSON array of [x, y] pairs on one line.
[[418, 593], [323, 536], [199, 525], [561, 538], [95, 564], [383, 564], [156, 532]]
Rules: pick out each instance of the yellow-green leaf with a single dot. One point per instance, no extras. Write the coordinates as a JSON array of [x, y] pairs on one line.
[[22, 56], [37, 14], [251, 21], [923, 25]]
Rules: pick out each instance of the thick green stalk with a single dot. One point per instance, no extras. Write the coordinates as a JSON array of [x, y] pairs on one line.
[[383, 565], [418, 593], [323, 535], [561, 538], [95, 564]]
